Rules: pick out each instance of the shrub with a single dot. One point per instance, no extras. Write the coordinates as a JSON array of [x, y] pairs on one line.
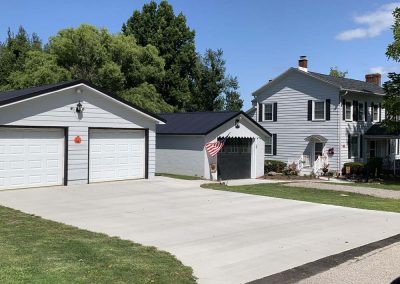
[[374, 165], [274, 166], [291, 170], [356, 168]]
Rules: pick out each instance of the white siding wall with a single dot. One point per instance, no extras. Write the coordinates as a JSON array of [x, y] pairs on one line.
[[179, 154], [356, 127], [292, 127], [55, 110]]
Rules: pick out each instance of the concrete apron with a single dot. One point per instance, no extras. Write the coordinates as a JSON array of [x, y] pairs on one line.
[[225, 237]]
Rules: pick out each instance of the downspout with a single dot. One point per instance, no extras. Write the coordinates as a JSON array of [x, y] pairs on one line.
[[340, 130]]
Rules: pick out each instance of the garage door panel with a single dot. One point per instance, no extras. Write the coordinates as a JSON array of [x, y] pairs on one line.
[[31, 157], [116, 155]]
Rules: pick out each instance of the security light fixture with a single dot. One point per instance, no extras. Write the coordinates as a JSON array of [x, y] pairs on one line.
[[237, 125], [79, 108]]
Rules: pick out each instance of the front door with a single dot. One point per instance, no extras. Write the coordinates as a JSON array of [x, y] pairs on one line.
[[318, 150]]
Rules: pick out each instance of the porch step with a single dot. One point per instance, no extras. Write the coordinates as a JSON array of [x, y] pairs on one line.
[[306, 171]]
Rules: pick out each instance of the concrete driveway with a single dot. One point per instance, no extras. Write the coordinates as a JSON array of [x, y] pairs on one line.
[[225, 237]]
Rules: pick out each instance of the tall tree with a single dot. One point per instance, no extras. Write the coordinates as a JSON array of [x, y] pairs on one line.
[[213, 89], [334, 71], [13, 52], [169, 33], [391, 101]]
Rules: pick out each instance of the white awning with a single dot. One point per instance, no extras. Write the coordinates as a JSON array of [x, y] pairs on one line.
[[318, 138]]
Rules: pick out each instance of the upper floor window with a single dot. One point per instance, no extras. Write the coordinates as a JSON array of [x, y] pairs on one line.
[[319, 110], [375, 112], [348, 110], [361, 114], [268, 112]]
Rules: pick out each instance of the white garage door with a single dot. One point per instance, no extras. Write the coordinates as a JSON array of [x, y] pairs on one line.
[[116, 155], [31, 157]]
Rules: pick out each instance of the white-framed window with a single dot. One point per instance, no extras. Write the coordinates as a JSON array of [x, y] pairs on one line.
[[361, 112], [268, 112], [375, 112], [348, 109], [268, 146], [354, 146], [318, 110]]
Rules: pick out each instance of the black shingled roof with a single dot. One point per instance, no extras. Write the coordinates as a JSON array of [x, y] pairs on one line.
[[198, 123], [350, 84], [22, 94], [379, 130]]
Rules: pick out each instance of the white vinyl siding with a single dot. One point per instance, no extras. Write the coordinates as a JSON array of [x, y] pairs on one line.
[[292, 94]]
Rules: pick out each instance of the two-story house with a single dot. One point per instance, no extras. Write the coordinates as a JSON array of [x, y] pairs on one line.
[[319, 119]]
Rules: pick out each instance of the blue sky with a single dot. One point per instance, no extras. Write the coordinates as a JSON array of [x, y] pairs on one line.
[[260, 38]]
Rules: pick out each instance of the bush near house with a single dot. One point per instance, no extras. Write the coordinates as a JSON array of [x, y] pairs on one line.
[[274, 166], [374, 166], [356, 168]]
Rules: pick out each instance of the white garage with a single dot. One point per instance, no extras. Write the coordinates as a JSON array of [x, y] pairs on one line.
[[116, 154], [73, 133], [31, 157]]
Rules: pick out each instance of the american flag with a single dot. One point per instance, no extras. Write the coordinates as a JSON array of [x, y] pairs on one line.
[[214, 147]]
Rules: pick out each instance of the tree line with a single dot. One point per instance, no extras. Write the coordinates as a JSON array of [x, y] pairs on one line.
[[152, 62]]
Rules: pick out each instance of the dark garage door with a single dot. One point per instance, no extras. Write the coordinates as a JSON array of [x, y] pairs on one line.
[[234, 160]]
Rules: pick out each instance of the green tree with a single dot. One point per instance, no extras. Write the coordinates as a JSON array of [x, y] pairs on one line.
[[213, 89], [13, 52], [334, 71], [159, 26], [40, 68], [391, 101]]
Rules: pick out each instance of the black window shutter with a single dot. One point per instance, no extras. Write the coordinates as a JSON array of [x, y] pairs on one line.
[[361, 145], [355, 111], [274, 145], [275, 112], [366, 111], [372, 111], [344, 109], [259, 112], [309, 110], [328, 109], [380, 112], [349, 146]]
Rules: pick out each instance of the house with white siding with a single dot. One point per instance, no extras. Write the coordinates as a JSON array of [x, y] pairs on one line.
[[317, 119]]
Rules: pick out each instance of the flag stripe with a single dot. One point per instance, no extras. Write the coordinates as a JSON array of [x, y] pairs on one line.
[[214, 147]]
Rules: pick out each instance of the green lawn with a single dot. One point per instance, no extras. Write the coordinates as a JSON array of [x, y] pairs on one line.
[[178, 176], [383, 185], [34, 250], [314, 195]]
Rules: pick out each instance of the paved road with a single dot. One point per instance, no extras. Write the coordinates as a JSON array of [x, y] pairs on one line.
[[380, 266], [226, 237]]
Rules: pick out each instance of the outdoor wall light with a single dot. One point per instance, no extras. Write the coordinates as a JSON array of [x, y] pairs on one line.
[[79, 108], [237, 125]]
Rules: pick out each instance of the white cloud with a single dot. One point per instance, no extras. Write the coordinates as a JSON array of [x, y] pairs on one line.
[[375, 23], [384, 70]]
